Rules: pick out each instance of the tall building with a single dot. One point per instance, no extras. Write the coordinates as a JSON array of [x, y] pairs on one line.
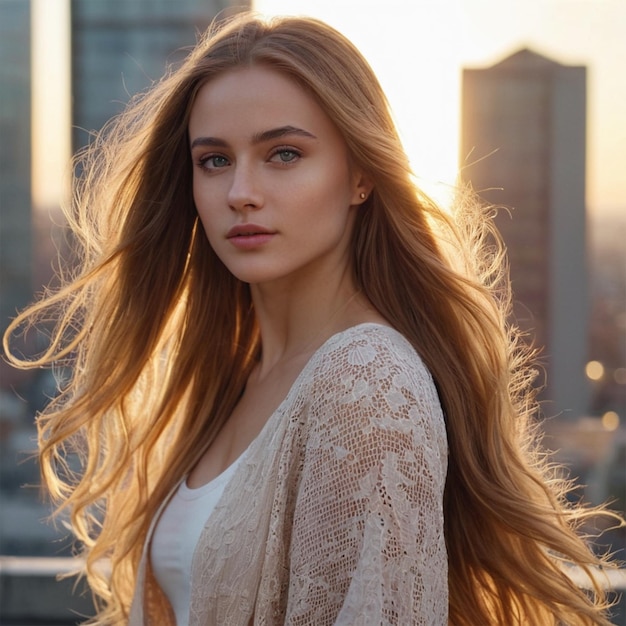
[[119, 48], [523, 148], [15, 214]]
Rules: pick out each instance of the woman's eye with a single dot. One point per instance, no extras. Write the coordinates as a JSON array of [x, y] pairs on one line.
[[213, 162], [285, 155]]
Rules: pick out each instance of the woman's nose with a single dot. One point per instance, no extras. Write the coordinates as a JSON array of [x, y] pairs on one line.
[[244, 192]]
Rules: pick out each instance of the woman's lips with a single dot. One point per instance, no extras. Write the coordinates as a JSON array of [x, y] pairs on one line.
[[248, 236]]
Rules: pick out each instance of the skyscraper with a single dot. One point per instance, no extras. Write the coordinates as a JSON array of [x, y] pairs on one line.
[[119, 48], [523, 148], [15, 220]]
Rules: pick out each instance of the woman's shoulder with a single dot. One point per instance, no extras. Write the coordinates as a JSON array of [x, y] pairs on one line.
[[371, 377], [365, 350]]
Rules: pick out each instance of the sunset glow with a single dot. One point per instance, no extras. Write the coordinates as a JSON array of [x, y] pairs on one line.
[[418, 73], [418, 50], [50, 102]]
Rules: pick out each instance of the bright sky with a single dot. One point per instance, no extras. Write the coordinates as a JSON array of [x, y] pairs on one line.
[[51, 114], [418, 47]]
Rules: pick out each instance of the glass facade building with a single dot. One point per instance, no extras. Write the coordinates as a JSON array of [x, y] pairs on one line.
[[15, 218], [119, 48]]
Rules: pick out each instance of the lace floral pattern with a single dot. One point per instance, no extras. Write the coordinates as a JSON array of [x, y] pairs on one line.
[[336, 515]]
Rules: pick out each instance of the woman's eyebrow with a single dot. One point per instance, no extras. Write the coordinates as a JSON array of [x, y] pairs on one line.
[[266, 135], [281, 131], [209, 141]]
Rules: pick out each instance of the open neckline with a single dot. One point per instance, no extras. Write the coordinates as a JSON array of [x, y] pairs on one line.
[[309, 365], [285, 401], [191, 493]]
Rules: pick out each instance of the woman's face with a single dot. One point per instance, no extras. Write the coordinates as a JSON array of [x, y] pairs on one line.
[[272, 179]]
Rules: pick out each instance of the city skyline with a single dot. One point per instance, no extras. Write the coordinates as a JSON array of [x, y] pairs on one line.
[[437, 40]]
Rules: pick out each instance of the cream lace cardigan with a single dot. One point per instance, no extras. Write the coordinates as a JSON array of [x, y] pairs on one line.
[[335, 514]]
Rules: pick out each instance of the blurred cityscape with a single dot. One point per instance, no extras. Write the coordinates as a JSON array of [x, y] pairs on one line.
[[568, 266], [523, 149]]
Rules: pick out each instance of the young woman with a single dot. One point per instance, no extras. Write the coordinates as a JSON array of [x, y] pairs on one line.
[[295, 399]]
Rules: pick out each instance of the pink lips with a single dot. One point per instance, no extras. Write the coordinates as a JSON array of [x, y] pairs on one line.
[[248, 236]]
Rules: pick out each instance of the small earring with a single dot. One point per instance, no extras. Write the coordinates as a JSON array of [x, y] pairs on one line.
[[362, 195]]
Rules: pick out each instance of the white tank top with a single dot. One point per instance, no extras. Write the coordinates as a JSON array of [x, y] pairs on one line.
[[176, 535]]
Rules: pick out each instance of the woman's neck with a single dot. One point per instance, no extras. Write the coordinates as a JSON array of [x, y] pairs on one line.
[[295, 320]]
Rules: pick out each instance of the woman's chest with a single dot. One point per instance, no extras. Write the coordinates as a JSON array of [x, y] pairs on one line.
[[258, 403]]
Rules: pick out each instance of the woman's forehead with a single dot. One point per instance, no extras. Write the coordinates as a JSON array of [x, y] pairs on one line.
[[256, 99]]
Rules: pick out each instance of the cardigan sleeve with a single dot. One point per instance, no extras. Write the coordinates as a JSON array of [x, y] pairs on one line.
[[367, 543]]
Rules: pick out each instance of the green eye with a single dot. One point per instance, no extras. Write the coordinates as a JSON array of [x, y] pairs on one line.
[[218, 161], [285, 155], [213, 162]]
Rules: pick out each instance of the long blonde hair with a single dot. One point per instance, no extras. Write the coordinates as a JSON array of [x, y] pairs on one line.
[[161, 338]]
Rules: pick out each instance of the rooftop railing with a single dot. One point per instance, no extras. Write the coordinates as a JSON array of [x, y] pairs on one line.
[[35, 592]]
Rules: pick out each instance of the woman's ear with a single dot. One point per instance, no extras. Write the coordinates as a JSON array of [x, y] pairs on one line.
[[362, 188]]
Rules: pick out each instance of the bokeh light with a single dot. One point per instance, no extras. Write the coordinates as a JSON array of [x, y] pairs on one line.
[[594, 370], [610, 421], [619, 375]]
